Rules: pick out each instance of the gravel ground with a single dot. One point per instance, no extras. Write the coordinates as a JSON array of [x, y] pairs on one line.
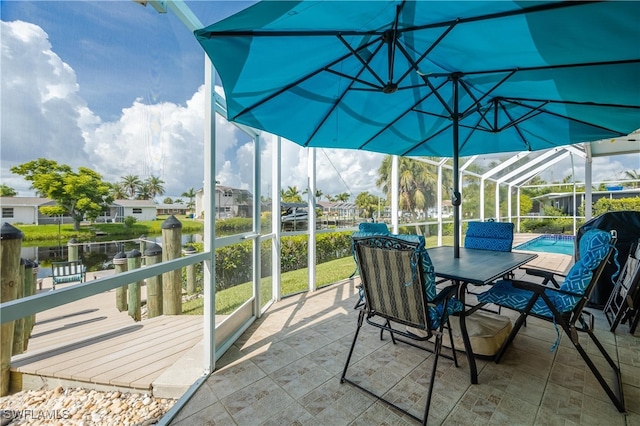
[[79, 406]]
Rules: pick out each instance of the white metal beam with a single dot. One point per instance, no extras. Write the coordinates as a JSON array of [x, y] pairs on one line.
[[311, 221], [588, 174], [394, 193], [527, 166], [505, 164], [541, 168]]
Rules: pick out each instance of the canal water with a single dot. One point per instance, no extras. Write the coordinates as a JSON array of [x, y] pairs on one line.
[[95, 256]]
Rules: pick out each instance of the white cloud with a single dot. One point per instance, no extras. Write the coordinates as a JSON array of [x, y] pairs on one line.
[[41, 110]]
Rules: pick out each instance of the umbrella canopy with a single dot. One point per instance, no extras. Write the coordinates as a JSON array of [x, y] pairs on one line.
[[436, 78]]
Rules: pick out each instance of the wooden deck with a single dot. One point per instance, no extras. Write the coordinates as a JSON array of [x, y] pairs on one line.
[[90, 343]]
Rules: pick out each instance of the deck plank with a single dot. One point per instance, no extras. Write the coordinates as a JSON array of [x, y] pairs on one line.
[[90, 341]]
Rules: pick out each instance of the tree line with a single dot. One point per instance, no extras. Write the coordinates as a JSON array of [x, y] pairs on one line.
[[83, 194]]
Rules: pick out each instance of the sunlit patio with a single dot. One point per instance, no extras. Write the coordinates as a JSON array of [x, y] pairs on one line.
[[285, 369]]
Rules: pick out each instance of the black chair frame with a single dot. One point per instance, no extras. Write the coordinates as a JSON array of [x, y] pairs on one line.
[[370, 309], [568, 322]]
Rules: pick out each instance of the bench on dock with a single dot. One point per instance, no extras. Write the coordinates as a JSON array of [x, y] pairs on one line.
[[68, 272]]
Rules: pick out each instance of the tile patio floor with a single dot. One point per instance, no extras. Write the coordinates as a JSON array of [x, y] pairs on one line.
[[285, 369]]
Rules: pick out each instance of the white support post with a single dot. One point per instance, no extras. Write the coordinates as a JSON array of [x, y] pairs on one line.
[[394, 193], [276, 222], [311, 200], [482, 182], [518, 210], [588, 175], [257, 275], [497, 204], [509, 214], [209, 186], [439, 196], [573, 178]]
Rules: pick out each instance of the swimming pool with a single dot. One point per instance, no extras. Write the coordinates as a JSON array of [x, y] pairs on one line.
[[562, 244]]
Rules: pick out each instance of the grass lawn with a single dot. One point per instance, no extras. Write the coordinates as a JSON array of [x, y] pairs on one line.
[[48, 234], [292, 282]]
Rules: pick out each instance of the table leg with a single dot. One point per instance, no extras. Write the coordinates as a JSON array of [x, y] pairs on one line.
[[462, 289]]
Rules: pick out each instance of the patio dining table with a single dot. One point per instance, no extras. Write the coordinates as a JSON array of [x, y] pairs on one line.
[[477, 267]]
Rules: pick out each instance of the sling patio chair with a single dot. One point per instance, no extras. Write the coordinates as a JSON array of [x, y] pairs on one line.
[[565, 306], [399, 291]]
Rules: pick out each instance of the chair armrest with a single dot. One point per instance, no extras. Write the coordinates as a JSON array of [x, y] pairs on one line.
[[543, 273], [445, 293], [539, 288], [549, 276]]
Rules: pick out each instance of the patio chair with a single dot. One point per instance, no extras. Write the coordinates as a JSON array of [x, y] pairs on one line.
[[564, 306], [398, 283]]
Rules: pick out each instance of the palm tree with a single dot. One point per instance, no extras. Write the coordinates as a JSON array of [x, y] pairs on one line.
[[131, 184], [155, 186], [190, 194], [118, 191], [319, 193], [291, 195], [144, 192], [417, 183], [342, 197]]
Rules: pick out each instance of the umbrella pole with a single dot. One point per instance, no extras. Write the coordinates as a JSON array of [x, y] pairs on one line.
[[455, 196]]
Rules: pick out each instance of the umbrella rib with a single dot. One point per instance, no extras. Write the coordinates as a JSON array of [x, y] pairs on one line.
[[392, 45], [549, 67], [424, 55], [315, 33], [444, 129], [514, 123], [570, 118], [473, 129], [355, 80], [297, 82], [524, 11], [362, 61], [337, 102], [392, 122], [478, 101], [596, 104]]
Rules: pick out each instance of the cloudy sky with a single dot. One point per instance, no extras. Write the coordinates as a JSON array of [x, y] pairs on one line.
[[117, 87]]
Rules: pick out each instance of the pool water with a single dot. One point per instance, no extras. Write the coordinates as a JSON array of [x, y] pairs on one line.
[[562, 244]]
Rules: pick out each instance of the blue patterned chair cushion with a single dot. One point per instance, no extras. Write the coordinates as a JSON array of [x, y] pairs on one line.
[[435, 312], [593, 249], [497, 236]]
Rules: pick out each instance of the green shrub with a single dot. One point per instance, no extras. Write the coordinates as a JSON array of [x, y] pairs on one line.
[[234, 262], [548, 226], [604, 205], [129, 221], [234, 225]]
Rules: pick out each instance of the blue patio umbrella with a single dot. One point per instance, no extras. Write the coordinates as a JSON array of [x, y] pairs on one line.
[[435, 78]]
